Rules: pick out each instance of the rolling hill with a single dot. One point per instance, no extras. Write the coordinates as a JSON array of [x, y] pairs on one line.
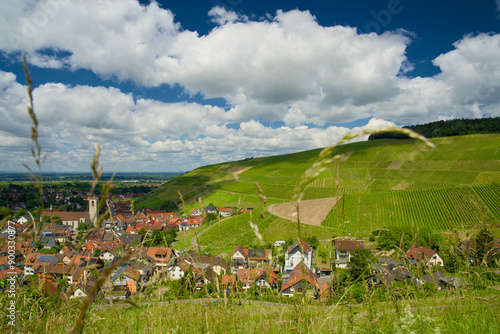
[[385, 182]]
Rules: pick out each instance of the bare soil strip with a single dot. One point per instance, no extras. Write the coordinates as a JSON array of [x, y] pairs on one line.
[[345, 156], [403, 185], [238, 170], [312, 212], [395, 165]]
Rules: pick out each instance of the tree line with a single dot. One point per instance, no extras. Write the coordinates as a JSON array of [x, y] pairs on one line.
[[448, 128]]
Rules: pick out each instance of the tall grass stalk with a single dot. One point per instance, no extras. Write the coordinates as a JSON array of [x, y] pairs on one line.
[[80, 319], [326, 156], [37, 152], [105, 191]]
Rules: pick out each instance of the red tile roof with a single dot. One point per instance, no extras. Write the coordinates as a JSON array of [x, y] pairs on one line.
[[251, 275], [66, 216], [132, 230], [149, 227], [80, 260], [89, 245], [304, 246], [160, 254], [132, 273], [324, 289], [10, 272], [184, 265], [417, 253], [50, 287], [132, 287], [348, 245], [228, 279], [78, 274], [240, 249], [299, 273], [59, 269]]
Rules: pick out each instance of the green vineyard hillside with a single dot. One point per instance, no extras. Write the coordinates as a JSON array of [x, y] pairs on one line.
[[379, 183]]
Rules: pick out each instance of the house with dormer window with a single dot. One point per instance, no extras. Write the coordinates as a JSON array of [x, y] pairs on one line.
[[264, 278], [162, 258], [249, 258]]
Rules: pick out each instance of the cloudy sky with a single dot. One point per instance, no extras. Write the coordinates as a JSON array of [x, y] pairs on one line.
[[174, 85]]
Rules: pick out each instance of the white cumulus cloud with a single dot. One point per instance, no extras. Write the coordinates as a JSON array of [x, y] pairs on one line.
[[285, 68]]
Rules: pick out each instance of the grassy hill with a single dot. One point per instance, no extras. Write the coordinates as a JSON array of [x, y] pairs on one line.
[[379, 183]]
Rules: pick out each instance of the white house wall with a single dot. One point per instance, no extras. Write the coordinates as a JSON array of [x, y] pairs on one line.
[[293, 259], [176, 273]]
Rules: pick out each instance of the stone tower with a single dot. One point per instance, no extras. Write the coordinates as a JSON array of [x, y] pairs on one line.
[[93, 211]]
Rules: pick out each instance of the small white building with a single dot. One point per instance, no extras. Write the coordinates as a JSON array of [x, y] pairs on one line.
[[300, 251], [178, 269], [225, 212], [107, 256], [279, 243]]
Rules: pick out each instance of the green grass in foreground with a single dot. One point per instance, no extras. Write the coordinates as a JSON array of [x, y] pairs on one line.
[[446, 312]]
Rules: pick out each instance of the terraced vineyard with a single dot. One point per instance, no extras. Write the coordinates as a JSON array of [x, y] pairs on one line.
[[236, 230], [380, 183], [438, 209]]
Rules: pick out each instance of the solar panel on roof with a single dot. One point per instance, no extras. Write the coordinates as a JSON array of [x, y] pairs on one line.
[[44, 258], [256, 252]]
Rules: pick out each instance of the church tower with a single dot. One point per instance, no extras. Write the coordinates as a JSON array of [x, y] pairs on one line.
[[93, 212]]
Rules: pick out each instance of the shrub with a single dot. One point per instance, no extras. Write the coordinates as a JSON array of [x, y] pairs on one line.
[[358, 292]]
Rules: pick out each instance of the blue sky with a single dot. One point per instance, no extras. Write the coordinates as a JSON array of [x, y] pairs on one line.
[[173, 85]]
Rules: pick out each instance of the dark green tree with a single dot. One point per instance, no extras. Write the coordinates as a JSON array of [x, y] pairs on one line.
[[485, 252], [427, 238], [4, 212], [451, 260], [324, 256], [56, 219], [361, 259], [161, 238], [142, 231], [21, 212], [82, 226], [188, 282], [313, 241], [169, 206]]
